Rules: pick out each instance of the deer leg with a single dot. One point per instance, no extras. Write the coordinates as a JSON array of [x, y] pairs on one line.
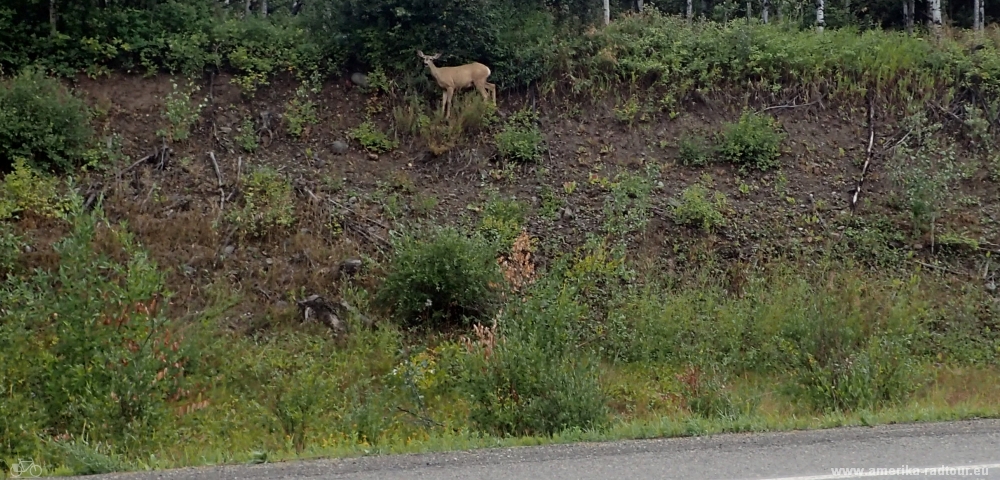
[[493, 91], [482, 91], [449, 95]]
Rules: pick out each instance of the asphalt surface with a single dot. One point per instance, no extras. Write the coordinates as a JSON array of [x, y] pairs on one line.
[[803, 455]]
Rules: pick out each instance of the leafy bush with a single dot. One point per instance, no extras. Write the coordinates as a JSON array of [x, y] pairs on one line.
[[697, 209], [694, 151], [42, 122], [25, 190], [502, 221], [371, 138], [180, 112], [753, 141], [534, 381], [267, 204], [444, 277], [521, 139], [84, 346]]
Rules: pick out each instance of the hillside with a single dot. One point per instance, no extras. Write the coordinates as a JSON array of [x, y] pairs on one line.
[[657, 237]]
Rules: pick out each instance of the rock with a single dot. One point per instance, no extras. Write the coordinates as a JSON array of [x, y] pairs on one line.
[[228, 250], [372, 156], [268, 261], [359, 79], [349, 267], [339, 147], [317, 307]]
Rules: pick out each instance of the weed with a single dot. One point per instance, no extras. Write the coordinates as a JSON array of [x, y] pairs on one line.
[[25, 190], [502, 221], [300, 113], [521, 139], [180, 112], [695, 151], [753, 141], [246, 136], [267, 204], [371, 138], [699, 207]]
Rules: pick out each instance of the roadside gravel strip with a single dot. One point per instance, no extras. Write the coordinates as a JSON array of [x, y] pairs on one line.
[[800, 455]]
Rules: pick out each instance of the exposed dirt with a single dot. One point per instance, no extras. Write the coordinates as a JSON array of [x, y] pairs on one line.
[[173, 210]]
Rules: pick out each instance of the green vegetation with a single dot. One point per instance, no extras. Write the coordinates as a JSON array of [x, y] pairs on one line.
[[500, 299], [699, 207], [267, 204], [752, 141], [446, 278], [520, 140], [41, 122]]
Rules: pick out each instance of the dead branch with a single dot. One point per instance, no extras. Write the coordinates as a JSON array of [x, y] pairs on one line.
[[868, 156], [215, 166], [794, 105]]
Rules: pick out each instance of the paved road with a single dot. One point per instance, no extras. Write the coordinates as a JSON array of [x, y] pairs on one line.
[[809, 455]]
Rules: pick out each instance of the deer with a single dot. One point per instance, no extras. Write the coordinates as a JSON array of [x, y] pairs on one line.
[[453, 79]]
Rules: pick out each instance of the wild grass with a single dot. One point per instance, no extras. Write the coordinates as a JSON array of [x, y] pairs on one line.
[[577, 354]]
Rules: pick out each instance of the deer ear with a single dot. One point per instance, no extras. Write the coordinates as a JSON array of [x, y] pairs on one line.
[[436, 56], [419, 53]]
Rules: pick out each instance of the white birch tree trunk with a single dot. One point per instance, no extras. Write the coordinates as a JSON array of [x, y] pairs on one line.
[[248, 12], [909, 7], [820, 17], [638, 5], [690, 10], [936, 16], [607, 12], [765, 10], [263, 8], [749, 10]]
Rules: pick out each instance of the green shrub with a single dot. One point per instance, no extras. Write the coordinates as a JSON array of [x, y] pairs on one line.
[[371, 138], [535, 381], [502, 221], [444, 277], [26, 190], [267, 204], [85, 346], [42, 122], [753, 141], [694, 151], [698, 208], [180, 112], [880, 371], [521, 139]]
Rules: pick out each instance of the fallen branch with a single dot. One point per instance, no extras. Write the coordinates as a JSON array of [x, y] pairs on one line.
[[794, 105], [215, 165], [868, 157]]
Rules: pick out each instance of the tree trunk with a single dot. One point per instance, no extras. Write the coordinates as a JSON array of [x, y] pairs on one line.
[[53, 17], [248, 12], [749, 10], [936, 16], [908, 6], [638, 6], [690, 10], [765, 10], [975, 15], [820, 17], [263, 8], [607, 12]]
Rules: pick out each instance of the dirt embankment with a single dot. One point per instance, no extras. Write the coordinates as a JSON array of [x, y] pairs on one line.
[[177, 211]]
